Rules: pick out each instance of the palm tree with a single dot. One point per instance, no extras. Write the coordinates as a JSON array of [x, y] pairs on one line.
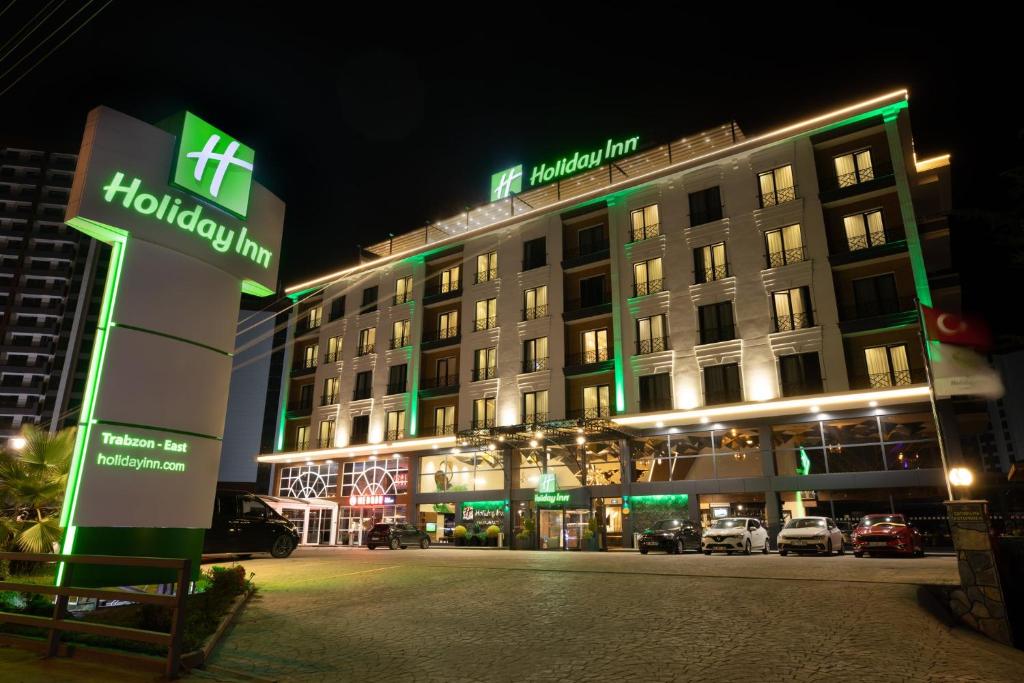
[[32, 484]]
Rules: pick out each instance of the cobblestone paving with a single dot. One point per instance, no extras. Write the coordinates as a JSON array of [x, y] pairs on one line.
[[465, 615]]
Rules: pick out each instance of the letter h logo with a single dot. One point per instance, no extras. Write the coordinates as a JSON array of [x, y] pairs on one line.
[[504, 183], [214, 166]]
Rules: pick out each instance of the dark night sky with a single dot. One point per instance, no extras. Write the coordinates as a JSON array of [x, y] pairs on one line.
[[364, 126]]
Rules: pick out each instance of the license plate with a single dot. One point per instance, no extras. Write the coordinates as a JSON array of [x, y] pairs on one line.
[[650, 543], [797, 542], [875, 544]]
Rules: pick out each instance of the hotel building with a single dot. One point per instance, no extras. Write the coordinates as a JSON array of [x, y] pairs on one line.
[[722, 325]]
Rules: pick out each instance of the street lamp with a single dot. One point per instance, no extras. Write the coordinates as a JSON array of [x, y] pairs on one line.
[[961, 478], [17, 442]]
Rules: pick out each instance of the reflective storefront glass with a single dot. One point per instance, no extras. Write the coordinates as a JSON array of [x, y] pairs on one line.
[[470, 471], [715, 454]]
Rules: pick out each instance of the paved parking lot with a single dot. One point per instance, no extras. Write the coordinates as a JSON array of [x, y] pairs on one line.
[[472, 615]]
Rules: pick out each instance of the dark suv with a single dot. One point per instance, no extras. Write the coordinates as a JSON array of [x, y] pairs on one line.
[[242, 523], [670, 535], [396, 536]]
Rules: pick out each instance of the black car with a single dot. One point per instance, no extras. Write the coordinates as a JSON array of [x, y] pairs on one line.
[[670, 535], [243, 524], [396, 536]]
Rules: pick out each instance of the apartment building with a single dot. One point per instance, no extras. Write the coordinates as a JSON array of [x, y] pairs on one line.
[[720, 325], [46, 295]]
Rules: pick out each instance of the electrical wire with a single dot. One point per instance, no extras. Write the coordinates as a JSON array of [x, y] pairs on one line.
[[33, 29]]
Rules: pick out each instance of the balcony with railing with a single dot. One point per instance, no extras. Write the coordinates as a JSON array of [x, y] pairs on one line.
[[785, 257], [440, 336], [329, 399], [332, 356], [648, 287], [482, 424], [489, 372], [707, 216], [597, 413], [877, 313], [438, 289], [892, 378], [595, 360], [535, 312], [362, 393], [780, 195], [485, 275], [300, 407], [394, 435], [718, 333], [301, 445], [579, 254], [305, 366], [585, 307], [442, 384], [535, 364], [396, 388], [792, 321], [644, 232], [438, 430], [403, 298], [304, 326], [711, 273], [358, 438], [716, 397], [867, 179], [868, 245], [399, 342], [366, 349], [535, 418], [654, 345], [487, 323]]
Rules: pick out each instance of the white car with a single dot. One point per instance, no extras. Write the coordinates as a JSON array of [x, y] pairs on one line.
[[810, 534], [735, 534]]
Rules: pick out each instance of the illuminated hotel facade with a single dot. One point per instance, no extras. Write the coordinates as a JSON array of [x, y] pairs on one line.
[[723, 325]]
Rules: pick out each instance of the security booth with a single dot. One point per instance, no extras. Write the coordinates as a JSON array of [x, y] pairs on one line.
[[313, 517]]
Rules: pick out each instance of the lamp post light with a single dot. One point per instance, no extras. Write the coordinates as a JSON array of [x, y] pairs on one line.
[[961, 478], [17, 443]]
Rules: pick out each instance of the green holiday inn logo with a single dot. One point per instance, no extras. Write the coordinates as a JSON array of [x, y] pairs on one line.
[[213, 166], [506, 182]]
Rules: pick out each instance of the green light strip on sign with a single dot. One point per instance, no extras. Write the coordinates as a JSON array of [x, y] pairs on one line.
[[119, 242], [662, 499]]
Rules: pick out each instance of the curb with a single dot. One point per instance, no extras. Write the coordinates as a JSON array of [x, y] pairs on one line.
[[197, 658]]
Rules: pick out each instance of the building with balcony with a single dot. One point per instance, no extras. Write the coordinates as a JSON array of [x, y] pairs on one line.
[[719, 325], [48, 301]]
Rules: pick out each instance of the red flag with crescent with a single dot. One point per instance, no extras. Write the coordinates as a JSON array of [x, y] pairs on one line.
[[955, 328]]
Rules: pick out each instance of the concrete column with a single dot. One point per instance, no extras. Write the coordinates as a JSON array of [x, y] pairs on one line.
[[625, 459]]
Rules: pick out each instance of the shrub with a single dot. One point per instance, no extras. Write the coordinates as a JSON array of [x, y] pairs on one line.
[[460, 531], [228, 580], [493, 531]]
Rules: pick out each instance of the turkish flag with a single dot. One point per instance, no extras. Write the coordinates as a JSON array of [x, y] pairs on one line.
[[953, 328]]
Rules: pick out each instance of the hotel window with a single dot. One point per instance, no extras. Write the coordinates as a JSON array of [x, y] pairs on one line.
[[644, 223], [466, 471], [337, 308], [596, 401], [776, 186], [309, 355], [853, 168], [364, 385], [784, 246], [330, 395], [791, 309], [647, 277], [485, 364], [535, 407], [594, 344], [535, 253], [448, 325], [333, 349], [315, 315], [326, 439], [876, 295], [864, 230], [486, 314], [360, 430], [591, 240], [309, 481], [395, 426], [302, 438], [650, 335], [722, 384], [593, 292], [369, 300], [483, 413], [367, 341], [709, 263], [444, 420], [535, 303], [305, 396], [449, 279], [535, 354], [403, 290], [705, 206], [398, 376], [399, 334], [444, 371], [487, 266], [800, 374], [716, 323], [655, 392], [888, 366]]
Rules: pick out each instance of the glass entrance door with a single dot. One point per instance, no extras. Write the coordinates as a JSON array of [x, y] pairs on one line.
[[576, 522], [550, 530]]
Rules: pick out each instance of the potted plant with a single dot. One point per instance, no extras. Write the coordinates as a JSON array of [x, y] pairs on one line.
[[459, 534], [525, 537], [492, 535], [590, 538]]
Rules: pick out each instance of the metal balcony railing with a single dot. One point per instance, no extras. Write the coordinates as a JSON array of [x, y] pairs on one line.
[[644, 232], [302, 445], [358, 438], [482, 424], [573, 251], [394, 435], [779, 195], [401, 298], [534, 418], [440, 334], [485, 323], [648, 287], [489, 372], [581, 304], [712, 335], [653, 345], [712, 273], [877, 307], [399, 342], [439, 382], [713, 398], [892, 378], [793, 321], [866, 241], [858, 176], [535, 262], [707, 216], [777, 259], [366, 349], [438, 430], [326, 442], [486, 275], [329, 399], [332, 356], [535, 364], [576, 360], [436, 287], [362, 393], [397, 388], [301, 406], [535, 312], [589, 413]]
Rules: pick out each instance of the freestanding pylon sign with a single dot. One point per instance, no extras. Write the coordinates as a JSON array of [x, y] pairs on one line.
[[189, 230]]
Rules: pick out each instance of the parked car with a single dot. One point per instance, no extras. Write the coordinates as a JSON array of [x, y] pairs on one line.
[[735, 534], [884, 534], [244, 524], [810, 534], [670, 535], [396, 536]]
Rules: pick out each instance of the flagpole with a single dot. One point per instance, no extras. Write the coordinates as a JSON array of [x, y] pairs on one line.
[[931, 397]]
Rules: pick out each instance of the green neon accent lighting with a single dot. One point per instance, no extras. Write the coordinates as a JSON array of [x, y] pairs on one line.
[[504, 183], [255, 289], [128, 193], [156, 428], [175, 338], [888, 112], [486, 505], [805, 463], [213, 166], [579, 162], [680, 499], [551, 498], [295, 296], [119, 243]]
